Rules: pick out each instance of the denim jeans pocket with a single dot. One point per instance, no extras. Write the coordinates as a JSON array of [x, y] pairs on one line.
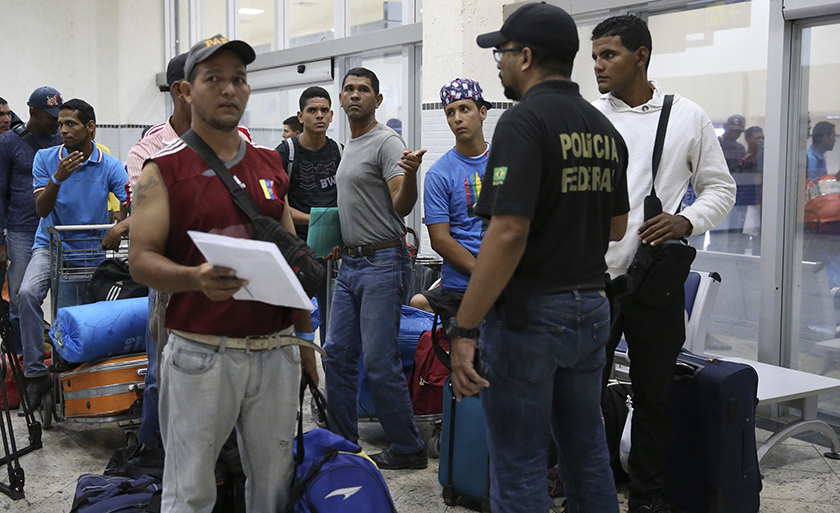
[[292, 353], [383, 259], [527, 356], [193, 361]]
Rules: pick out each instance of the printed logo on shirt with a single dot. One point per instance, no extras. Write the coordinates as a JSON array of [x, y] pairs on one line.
[[268, 189], [499, 174], [472, 187]]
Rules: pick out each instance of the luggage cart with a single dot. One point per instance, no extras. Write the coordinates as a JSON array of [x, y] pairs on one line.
[[70, 273]]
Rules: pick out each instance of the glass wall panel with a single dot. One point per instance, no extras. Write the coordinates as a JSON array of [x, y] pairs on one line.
[[267, 109], [716, 57], [310, 21], [257, 24], [814, 344], [182, 36], [213, 18], [583, 70], [391, 69], [370, 15]]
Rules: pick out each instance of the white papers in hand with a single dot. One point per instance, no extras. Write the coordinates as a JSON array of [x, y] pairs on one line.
[[271, 279]]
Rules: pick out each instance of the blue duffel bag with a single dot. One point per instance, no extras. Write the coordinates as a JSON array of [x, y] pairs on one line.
[[105, 494], [413, 323], [333, 475], [86, 333]]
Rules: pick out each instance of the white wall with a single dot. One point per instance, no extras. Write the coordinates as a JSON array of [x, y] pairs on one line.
[[105, 52]]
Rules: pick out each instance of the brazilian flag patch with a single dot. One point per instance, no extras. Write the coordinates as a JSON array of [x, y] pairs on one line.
[[499, 174]]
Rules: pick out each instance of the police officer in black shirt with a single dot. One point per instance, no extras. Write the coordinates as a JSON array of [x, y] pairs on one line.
[[555, 192]]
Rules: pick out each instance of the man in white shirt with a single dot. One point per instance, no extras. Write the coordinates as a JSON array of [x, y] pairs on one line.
[[621, 48]]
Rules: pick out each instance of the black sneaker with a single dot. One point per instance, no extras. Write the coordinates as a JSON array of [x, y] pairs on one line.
[[35, 392], [656, 506], [390, 460]]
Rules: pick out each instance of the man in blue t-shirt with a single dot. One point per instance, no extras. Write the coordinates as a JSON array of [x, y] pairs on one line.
[[452, 186], [71, 184]]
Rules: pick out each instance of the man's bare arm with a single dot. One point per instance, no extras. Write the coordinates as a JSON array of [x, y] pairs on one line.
[[149, 231], [501, 250], [450, 249], [298, 216], [404, 188]]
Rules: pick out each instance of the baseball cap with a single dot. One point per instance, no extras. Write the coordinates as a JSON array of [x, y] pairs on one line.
[[175, 69], [202, 51], [736, 121], [462, 89], [538, 23], [46, 98]]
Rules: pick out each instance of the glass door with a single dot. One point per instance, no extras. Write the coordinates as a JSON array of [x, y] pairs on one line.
[[813, 344]]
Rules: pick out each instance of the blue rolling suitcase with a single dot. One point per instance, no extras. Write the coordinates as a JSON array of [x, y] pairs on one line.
[[464, 469], [712, 460]]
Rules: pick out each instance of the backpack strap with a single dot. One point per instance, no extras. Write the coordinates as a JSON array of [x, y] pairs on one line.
[[27, 137], [292, 150]]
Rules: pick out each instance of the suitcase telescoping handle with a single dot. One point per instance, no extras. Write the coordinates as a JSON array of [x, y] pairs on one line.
[[685, 371]]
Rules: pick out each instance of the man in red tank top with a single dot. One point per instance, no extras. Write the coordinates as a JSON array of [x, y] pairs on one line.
[[224, 364]]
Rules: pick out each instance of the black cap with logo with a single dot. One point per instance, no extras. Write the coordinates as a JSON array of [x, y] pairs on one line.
[[538, 23], [202, 51]]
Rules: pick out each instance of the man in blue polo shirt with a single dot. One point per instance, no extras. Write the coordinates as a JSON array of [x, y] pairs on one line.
[[71, 184], [451, 189]]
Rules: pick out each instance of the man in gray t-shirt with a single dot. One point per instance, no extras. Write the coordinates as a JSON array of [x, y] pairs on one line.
[[377, 187]]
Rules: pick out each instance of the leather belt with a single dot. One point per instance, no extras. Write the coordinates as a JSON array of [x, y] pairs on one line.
[[248, 344], [369, 250]]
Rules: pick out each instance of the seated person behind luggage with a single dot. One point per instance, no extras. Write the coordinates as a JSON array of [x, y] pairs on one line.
[[71, 184], [451, 189]]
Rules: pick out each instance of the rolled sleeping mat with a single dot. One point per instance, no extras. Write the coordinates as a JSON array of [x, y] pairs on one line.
[[86, 333]]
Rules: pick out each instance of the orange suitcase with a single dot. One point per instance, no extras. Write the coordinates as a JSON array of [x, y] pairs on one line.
[[104, 388]]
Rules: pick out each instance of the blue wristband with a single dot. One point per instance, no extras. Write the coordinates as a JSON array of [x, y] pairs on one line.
[[306, 336], [56, 181]]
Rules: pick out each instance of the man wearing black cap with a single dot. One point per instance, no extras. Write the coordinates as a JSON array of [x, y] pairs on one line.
[[156, 139], [227, 363], [17, 202], [621, 48], [733, 151], [555, 193]]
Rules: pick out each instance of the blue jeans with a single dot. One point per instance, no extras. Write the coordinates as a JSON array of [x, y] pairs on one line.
[[365, 315], [546, 377], [33, 290], [19, 250], [150, 422]]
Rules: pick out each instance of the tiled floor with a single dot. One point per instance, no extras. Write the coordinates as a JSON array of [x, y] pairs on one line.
[[797, 478]]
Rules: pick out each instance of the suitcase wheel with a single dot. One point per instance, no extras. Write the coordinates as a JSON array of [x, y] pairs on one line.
[[449, 496], [46, 410]]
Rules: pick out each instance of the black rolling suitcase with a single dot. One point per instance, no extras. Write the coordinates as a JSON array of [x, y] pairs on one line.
[[712, 460]]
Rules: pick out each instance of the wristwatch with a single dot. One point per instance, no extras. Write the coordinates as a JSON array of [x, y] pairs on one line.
[[456, 331]]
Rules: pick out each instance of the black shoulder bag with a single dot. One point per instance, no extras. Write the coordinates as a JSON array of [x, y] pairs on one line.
[[20, 129], [300, 257], [657, 272]]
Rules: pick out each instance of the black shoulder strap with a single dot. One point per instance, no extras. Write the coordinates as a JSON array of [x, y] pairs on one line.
[[660, 138], [27, 137], [240, 197]]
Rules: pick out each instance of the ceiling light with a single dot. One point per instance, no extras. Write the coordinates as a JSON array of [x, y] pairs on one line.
[[250, 12]]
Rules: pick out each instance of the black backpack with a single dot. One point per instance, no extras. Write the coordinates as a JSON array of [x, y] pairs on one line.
[[112, 280]]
